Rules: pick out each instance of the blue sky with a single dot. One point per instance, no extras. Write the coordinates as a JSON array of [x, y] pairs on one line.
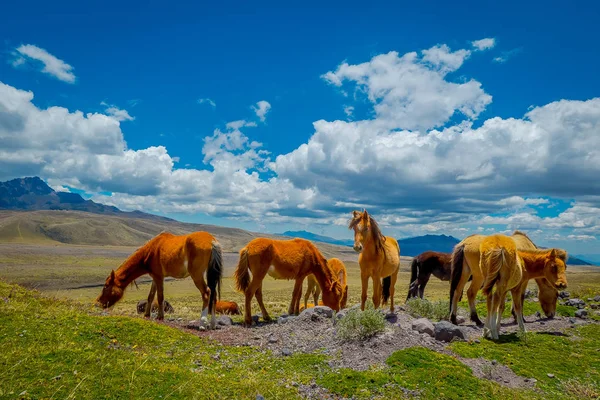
[[455, 139]]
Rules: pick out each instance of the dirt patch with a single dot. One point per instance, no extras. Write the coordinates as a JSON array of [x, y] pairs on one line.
[[493, 371]]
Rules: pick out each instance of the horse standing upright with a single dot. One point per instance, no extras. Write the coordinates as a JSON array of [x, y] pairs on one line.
[[423, 266], [170, 255], [379, 259], [284, 259]]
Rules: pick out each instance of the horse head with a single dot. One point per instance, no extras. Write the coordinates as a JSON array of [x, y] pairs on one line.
[[555, 268], [111, 292], [360, 222]]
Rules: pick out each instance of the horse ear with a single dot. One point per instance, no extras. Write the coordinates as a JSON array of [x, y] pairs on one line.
[[112, 276], [365, 213], [553, 253], [355, 213]]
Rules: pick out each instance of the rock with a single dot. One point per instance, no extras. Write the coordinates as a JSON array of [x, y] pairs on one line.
[[595, 306], [581, 313], [538, 315], [286, 352], [564, 294], [589, 299], [260, 397], [324, 311], [201, 328], [255, 319], [597, 298], [460, 319], [575, 303], [535, 299], [494, 362], [572, 320], [273, 339], [282, 320], [477, 341], [528, 293], [530, 380], [423, 325], [341, 314], [192, 325], [551, 376], [446, 331], [224, 320], [391, 317]]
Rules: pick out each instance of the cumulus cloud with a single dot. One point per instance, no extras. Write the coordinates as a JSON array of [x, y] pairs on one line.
[[51, 64], [484, 44], [261, 109], [207, 101]]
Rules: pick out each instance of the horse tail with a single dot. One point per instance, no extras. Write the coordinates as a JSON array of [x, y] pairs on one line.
[[414, 270], [458, 257], [242, 272], [496, 258], [214, 274], [386, 283]]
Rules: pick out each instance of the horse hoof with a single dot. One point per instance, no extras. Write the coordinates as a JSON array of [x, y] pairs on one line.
[[453, 319]]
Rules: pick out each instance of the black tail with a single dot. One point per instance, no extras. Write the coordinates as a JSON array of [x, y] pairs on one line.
[[414, 271], [386, 283], [214, 274], [458, 256]]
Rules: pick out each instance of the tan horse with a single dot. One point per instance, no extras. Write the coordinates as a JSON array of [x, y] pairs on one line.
[[284, 259], [313, 288], [501, 268], [379, 259], [547, 293], [169, 255]]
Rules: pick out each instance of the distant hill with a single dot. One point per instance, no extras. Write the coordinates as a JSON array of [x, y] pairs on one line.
[[34, 194], [408, 247]]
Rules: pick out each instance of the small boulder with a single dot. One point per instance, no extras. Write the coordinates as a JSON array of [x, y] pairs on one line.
[[391, 317], [324, 311], [286, 352], [572, 320], [460, 319], [255, 319], [423, 325], [273, 339], [224, 320], [446, 332], [528, 293], [581, 313], [595, 306], [597, 298], [550, 376], [282, 320], [341, 314], [575, 303], [564, 294]]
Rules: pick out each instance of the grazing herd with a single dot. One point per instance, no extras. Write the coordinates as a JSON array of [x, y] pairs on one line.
[[495, 264]]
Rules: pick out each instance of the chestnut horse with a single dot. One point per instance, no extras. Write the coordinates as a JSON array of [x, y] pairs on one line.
[[169, 255], [284, 259], [379, 259], [425, 264], [547, 293], [313, 288], [500, 267], [227, 307], [465, 262]]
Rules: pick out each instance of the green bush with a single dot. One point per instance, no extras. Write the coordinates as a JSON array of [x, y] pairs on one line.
[[359, 325], [422, 308]]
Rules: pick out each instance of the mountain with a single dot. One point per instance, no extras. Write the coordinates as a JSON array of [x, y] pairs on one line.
[[318, 238], [592, 258], [408, 247], [34, 194]]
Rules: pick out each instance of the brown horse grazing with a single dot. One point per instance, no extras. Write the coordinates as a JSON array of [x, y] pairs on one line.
[[284, 259], [547, 293], [379, 259], [313, 288], [501, 268], [228, 308], [423, 266], [465, 261], [141, 306], [169, 255]]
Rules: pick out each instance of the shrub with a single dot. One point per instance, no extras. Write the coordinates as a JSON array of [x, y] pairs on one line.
[[359, 325], [422, 308]]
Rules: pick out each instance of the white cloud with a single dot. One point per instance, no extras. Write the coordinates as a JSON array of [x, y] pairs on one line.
[[52, 65], [261, 109], [207, 101], [412, 92], [117, 113], [348, 110], [506, 55], [484, 44]]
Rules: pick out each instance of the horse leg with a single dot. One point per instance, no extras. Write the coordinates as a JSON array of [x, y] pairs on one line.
[[471, 295], [393, 289], [422, 283], [160, 294], [296, 294], [259, 299], [500, 312], [496, 300], [518, 304], [150, 300], [309, 289], [456, 298], [205, 292], [487, 327], [376, 291], [364, 278], [316, 294]]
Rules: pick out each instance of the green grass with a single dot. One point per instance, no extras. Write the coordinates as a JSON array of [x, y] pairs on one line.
[[570, 358], [423, 308], [424, 372], [359, 325]]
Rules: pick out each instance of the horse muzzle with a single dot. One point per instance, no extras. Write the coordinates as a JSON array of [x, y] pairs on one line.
[[358, 248], [560, 285]]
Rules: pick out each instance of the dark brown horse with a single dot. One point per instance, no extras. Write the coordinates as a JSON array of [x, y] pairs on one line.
[[423, 266]]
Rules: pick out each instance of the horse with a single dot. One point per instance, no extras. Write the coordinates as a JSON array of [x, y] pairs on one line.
[[313, 288], [379, 259], [547, 293], [141, 306], [501, 268], [227, 307], [465, 259], [284, 259], [169, 255], [425, 264]]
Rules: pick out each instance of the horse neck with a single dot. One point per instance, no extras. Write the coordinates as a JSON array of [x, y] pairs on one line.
[[322, 273], [534, 263], [370, 244], [131, 269]]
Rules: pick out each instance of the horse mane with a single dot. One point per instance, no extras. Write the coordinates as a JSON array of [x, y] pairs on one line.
[[377, 235], [521, 233], [560, 253]]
